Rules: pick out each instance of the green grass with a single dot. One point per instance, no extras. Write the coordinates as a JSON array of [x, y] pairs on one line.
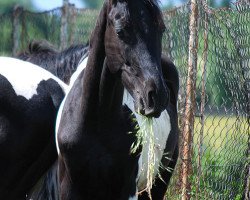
[[222, 159], [219, 131]]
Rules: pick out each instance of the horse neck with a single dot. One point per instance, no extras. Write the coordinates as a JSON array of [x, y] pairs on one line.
[[90, 80], [69, 60], [110, 93]]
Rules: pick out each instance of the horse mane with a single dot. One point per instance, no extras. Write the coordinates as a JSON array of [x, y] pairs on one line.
[[80, 49], [37, 47], [60, 63], [42, 46], [155, 4]]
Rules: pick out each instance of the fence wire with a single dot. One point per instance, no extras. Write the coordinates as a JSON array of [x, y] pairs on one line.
[[219, 147], [221, 131]]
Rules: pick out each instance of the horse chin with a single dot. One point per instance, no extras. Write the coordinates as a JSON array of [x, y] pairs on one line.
[[147, 112], [153, 115]]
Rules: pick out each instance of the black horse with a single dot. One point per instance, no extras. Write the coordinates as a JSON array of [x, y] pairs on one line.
[[29, 100], [95, 159]]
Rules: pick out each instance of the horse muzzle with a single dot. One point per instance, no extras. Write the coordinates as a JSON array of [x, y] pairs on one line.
[[152, 102]]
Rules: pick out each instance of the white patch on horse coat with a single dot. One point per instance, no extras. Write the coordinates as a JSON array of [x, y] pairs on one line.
[[73, 78], [24, 76], [133, 197], [161, 129]]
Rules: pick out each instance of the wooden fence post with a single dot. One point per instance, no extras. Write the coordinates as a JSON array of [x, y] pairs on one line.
[[64, 25], [72, 19], [190, 103], [203, 10], [17, 12]]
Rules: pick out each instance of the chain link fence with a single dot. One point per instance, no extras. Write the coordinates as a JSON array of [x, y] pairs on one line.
[[213, 113]]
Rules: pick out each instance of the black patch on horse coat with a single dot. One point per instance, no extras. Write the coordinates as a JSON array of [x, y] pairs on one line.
[[27, 144]]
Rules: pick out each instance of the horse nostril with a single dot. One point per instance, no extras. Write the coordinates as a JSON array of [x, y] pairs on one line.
[[151, 99], [141, 107]]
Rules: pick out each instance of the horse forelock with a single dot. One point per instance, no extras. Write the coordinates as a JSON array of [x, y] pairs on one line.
[[154, 6]]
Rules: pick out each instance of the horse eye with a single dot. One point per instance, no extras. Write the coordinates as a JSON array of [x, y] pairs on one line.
[[120, 34]]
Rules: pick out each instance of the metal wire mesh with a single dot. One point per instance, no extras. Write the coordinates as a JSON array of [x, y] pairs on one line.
[[6, 34], [220, 137], [221, 131]]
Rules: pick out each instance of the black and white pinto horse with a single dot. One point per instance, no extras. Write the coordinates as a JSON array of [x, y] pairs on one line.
[[29, 100], [95, 159]]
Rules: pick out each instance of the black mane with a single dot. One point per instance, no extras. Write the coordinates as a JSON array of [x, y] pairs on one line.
[[157, 13], [43, 46], [62, 64], [37, 47]]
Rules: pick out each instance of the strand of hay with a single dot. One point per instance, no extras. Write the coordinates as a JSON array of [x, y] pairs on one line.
[[145, 137]]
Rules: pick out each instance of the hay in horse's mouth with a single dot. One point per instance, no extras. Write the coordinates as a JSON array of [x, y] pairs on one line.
[[145, 137]]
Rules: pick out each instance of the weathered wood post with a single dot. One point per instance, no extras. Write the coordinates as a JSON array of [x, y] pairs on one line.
[[189, 113], [17, 12], [72, 19], [204, 11], [64, 25]]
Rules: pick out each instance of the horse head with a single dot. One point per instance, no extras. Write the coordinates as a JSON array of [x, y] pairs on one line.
[[133, 48]]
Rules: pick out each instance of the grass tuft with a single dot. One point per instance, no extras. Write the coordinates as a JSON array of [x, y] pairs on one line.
[[145, 139]]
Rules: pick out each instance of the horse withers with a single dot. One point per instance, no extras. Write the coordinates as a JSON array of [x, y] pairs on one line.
[[94, 144], [60, 63], [29, 100]]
